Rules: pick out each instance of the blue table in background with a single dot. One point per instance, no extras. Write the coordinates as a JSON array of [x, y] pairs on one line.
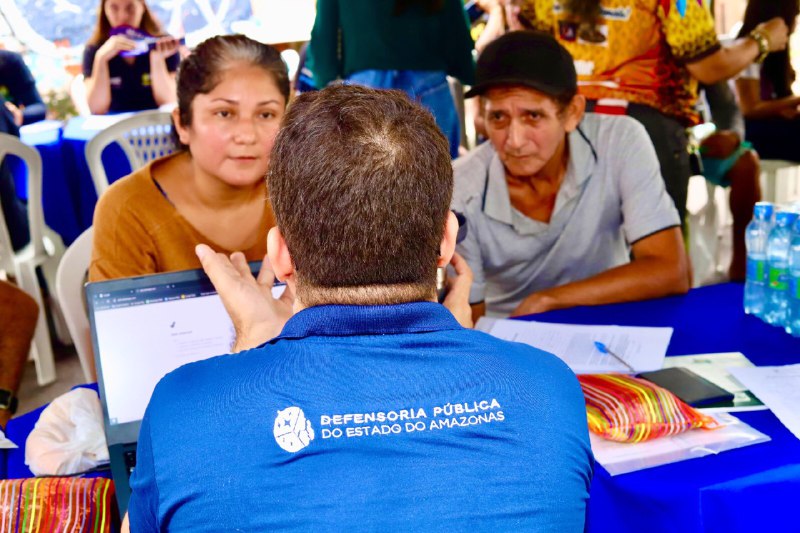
[[68, 193], [77, 132], [58, 202], [754, 488]]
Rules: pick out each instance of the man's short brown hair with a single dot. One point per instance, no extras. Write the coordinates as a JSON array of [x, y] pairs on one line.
[[360, 181]]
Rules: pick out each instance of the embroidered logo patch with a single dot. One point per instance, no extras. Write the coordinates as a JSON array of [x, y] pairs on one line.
[[292, 429]]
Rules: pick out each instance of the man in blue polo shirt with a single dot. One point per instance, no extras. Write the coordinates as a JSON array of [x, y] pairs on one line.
[[372, 408]]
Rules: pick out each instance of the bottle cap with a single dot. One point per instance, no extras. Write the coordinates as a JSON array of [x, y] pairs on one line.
[[763, 210], [785, 218]]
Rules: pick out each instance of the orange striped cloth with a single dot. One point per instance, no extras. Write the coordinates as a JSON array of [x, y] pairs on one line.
[[628, 409], [60, 504]]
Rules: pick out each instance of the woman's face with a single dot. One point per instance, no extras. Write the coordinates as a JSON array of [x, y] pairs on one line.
[[124, 12], [234, 126]]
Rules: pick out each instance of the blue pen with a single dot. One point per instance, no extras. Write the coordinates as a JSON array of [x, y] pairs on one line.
[[604, 349]]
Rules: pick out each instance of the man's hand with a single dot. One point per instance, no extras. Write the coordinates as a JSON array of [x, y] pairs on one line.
[[457, 299], [777, 33], [16, 112], [538, 302], [257, 316]]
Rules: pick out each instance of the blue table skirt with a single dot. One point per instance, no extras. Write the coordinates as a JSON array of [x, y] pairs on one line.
[[756, 488], [12, 462], [68, 193]]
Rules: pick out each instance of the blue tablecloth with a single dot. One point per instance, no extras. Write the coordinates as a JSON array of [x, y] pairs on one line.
[[68, 193], [58, 203], [12, 462], [750, 489], [77, 132]]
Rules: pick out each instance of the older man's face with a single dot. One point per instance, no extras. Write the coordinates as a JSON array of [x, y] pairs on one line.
[[526, 128]]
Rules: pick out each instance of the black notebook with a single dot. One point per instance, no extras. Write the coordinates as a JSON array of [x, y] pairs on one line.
[[688, 386]]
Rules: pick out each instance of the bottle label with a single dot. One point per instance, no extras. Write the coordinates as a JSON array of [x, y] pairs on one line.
[[794, 287], [755, 270], [778, 279]]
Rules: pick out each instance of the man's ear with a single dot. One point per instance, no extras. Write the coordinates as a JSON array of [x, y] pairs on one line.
[[448, 244], [574, 112], [279, 257], [183, 131]]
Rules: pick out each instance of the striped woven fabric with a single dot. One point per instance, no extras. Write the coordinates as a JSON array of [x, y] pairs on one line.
[[628, 409], [59, 504]]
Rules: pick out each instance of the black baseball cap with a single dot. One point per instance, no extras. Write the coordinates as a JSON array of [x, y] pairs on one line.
[[528, 58]]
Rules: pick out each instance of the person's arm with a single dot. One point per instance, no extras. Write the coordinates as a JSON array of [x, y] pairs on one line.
[[458, 43], [495, 23], [18, 316], [659, 268], [23, 92], [323, 49], [457, 299], [162, 79], [97, 76], [749, 91], [728, 61]]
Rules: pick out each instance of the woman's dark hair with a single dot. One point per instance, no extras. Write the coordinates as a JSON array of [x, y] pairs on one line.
[[204, 68], [430, 6], [102, 27], [777, 74]]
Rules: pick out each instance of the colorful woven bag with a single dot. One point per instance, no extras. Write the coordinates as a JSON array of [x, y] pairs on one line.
[[58, 504], [628, 409]]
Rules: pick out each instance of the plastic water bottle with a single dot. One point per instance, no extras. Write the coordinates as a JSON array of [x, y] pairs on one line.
[[793, 298], [756, 234], [778, 268]]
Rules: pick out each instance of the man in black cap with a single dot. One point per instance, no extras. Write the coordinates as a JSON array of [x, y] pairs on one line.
[[563, 208]]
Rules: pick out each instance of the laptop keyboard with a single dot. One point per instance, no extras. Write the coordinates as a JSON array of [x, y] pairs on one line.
[[130, 461]]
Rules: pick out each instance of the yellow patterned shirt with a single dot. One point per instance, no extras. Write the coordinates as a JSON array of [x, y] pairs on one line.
[[637, 52]]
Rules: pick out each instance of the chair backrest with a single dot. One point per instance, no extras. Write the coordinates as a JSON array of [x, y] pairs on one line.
[[11, 145], [70, 278], [143, 137]]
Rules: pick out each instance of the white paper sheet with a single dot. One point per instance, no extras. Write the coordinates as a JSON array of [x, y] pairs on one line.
[[621, 458], [778, 387], [642, 348]]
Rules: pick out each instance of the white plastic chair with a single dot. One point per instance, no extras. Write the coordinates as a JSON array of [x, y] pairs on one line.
[[41, 250], [70, 279], [143, 137], [770, 169]]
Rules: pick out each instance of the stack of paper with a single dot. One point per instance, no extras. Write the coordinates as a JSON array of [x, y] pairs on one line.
[[778, 387], [641, 348]]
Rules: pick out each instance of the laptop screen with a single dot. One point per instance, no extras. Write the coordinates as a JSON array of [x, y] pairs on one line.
[[145, 327]]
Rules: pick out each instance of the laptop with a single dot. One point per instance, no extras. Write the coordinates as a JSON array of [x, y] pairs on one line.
[[143, 328]]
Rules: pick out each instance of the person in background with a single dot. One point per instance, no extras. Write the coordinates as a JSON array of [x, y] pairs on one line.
[[411, 45], [360, 181], [729, 161], [770, 107], [563, 208], [232, 93], [18, 88], [20, 103], [644, 58], [18, 314], [118, 77]]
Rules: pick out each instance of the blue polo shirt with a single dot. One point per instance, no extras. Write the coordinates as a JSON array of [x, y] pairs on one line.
[[366, 417]]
